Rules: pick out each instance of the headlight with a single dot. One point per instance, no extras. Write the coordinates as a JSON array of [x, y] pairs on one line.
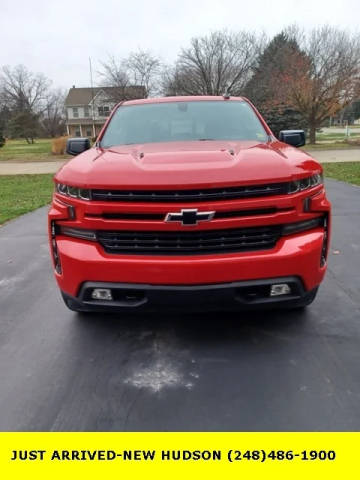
[[305, 183], [73, 192]]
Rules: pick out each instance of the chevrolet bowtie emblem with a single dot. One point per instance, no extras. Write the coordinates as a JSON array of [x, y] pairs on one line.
[[188, 217]]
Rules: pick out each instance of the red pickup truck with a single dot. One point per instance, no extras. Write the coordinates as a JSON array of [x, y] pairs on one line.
[[189, 202]]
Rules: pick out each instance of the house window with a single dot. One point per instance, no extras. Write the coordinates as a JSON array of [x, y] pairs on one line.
[[75, 112], [88, 132], [103, 111], [77, 132], [86, 112]]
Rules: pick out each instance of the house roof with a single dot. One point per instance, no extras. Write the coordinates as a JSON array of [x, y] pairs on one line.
[[83, 96]]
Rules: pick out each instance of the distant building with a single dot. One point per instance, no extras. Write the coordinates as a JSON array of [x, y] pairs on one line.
[[88, 108], [346, 116]]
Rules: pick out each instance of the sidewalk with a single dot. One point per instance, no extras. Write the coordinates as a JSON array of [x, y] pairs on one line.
[[331, 156], [16, 168]]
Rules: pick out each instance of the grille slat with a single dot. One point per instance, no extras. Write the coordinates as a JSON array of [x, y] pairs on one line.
[[161, 216], [198, 195], [213, 241]]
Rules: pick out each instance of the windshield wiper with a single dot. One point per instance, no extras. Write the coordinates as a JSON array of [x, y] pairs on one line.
[[205, 139]]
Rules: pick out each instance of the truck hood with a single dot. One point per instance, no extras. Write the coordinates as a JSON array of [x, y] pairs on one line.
[[191, 164]]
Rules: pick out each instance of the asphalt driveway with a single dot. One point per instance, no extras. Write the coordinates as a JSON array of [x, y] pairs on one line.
[[266, 371]]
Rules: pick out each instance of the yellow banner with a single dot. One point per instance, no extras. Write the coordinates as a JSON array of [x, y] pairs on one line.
[[179, 455]]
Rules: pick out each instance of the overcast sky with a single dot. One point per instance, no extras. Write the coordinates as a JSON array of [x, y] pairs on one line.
[[57, 37]]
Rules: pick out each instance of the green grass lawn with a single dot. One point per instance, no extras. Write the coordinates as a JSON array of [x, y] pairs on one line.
[[23, 193], [345, 171], [20, 150]]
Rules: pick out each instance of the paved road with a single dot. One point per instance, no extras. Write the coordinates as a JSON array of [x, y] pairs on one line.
[[269, 371]]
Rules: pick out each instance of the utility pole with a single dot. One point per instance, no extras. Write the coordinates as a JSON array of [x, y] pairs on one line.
[[92, 101]]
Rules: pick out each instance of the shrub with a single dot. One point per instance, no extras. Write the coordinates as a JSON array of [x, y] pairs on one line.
[[58, 145], [353, 141]]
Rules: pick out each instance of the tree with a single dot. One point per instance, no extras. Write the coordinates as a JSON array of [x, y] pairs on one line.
[[4, 118], [114, 75], [214, 64], [283, 117], [25, 125], [327, 78], [23, 90], [144, 68], [265, 90], [2, 135], [52, 119], [138, 69], [25, 95]]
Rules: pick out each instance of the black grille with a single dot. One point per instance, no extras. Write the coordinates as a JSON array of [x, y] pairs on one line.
[[226, 193], [195, 242]]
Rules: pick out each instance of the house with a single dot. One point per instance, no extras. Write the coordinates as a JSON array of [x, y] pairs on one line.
[[88, 108], [346, 116]]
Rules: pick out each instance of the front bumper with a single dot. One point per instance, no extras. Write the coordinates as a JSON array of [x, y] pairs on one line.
[[226, 296], [296, 255]]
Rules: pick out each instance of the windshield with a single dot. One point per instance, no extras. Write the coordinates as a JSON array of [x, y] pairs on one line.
[[183, 121]]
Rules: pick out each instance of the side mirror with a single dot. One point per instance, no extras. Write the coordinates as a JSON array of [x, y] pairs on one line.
[[74, 146], [296, 138]]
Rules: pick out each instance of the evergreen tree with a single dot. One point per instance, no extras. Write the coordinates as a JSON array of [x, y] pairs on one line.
[[267, 92], [3, 120], [24, 125]]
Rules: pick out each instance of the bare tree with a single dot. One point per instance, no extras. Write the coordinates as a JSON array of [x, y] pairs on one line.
[[144, 69], [22, 90], [24, 93], [114, 73], [326, 78], [214, 64], [53, 116], [137, 74]]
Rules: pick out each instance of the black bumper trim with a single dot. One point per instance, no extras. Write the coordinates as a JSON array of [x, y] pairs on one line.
[[244, 295]]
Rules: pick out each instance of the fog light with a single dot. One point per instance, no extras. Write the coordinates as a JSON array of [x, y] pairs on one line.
[[279, 289], [101, 294]]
